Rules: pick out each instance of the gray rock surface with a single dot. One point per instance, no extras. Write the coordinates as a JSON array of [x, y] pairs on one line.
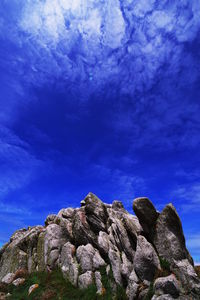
[[132, 288], [8, 278], [146, 213], [85, 280], [18, 281], [167, 285], [163, 297], [100, 238], [146, 261], [98, 283], [68, 263], [169, 239]]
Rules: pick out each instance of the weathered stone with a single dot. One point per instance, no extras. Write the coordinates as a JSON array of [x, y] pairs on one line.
[[81, 241], [96, 213], [117, 205], [103, 242], [132, 288], [132, 227], [98, 283], [8, 278], [169, 238], [131, 291], [68, 263], [85, 280], [18, 234], [32, 288], [53, 242], [146, 261], [85, 256], [40, 252], [18, 281], [167, 285], [50, 219], [98, 261], [163, 297], [143, 293], [146, 213], [89, 258], [81, 229], [119, 237], [127, 267], [115, 260], [186, 274], [67, 213]]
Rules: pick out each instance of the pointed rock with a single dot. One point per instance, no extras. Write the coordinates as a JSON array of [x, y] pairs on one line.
[[96, 213], [146, 213], [169, 239]]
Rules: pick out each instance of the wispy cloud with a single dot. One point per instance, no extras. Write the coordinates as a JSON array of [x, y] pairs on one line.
[[18, 165], [188, 197], [193, 244]]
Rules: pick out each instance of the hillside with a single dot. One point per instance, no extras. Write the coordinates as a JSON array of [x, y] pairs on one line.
[[100, 251]]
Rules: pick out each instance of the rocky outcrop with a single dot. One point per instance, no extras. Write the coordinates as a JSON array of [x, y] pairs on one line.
[[98, 240], [146, 261]]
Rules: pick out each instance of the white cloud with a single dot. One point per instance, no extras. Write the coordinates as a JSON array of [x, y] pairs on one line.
[[188, 197], [18, 166]]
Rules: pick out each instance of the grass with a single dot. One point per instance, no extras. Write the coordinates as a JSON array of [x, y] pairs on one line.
[[52, 286], [150, 292], [165, 265]]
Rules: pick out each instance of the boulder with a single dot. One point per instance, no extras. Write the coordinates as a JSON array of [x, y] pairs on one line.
[[132, 287], [85, 256], [8, 278], [85, 280], [186, 274], [68, 263], [98, 261], [53, 242], [67, 213], [50, 219], [103, 242], [167, 285], [127, 267], [169, 239], [146, 213], [98, 283], [96, 213], [116, 263], [117, 205], [89, 258], [163, 297], [119, 236], [32, 288], [146, 261], [81, 230], [18, 281]]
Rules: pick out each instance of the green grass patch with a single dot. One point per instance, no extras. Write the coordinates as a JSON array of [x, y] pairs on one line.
[[150, 292], [165, 265], [52, 286]]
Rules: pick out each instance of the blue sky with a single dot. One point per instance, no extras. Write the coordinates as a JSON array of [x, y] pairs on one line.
[[100, 96]]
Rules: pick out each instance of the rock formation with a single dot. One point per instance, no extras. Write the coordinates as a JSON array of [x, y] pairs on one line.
[[142, 252]]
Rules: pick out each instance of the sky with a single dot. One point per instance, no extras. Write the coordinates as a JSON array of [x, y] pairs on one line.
[[100, 96]]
